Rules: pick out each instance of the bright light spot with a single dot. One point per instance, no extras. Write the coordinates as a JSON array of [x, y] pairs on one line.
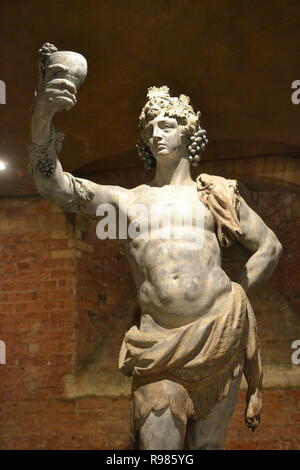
[[2, 165]]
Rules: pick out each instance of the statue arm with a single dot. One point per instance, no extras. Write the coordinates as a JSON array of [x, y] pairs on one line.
[[70, 193], [262, 241]]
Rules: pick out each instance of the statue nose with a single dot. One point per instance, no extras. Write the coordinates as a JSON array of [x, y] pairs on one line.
[[156, 134]]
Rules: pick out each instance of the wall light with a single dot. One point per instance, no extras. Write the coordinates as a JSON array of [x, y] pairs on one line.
[[2, 165]]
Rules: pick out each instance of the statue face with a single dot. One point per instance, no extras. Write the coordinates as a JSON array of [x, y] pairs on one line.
[[164, 136]]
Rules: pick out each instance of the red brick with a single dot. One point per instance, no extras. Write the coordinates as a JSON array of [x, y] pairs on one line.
[[7, 308], [7, 327], [35, 236], [295, 418], [62, 407], [295, 395], [290, 445], [7, 268], [22, 266], [7, 444], [92, 403], [62, 274], [269, 445], [49, 285], [29, 443]]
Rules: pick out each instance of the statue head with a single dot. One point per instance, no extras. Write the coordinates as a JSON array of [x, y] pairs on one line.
[[170, 112]]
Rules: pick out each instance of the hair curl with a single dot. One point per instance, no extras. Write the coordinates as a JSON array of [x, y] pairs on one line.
[[159, 100]]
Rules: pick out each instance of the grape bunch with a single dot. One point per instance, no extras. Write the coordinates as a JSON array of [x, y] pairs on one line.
[[197, 146], [45, 52], [46, 166], [146, 155]]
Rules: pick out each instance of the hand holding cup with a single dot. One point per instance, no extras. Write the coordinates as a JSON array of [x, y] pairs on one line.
[[61, 74]]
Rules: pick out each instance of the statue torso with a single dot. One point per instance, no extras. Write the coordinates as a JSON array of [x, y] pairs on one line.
[[178, 279]]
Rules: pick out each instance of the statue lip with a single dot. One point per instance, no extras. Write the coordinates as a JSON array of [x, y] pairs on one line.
[[159, 146]]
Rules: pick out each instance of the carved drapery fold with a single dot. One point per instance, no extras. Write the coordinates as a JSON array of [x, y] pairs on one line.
[[222, 198]]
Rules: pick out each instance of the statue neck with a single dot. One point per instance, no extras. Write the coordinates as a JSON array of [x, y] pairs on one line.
[[176, 174]]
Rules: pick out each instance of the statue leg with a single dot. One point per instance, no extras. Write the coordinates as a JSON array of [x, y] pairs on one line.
[[162, 431], [209, 434], [160, 411]]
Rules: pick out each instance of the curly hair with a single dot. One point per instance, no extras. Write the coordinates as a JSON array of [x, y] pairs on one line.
[[159, 100]]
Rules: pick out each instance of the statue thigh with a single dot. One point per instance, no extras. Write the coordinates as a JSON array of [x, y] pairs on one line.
[[162, 430], [210, 433]]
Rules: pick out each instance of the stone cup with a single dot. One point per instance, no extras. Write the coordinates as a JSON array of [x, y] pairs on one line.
[[76, 64]]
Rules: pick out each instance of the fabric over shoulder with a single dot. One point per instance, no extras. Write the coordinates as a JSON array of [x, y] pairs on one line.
[[221, 196]]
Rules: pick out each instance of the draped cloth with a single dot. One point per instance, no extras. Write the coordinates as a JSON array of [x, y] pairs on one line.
[[221, 197], [190, 368]]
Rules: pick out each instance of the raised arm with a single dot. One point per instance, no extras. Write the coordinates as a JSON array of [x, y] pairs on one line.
[[262, 241], [57, 93]]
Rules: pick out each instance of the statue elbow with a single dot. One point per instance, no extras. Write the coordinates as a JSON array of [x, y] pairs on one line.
[[272, 248], [279, 249], [275, 251]]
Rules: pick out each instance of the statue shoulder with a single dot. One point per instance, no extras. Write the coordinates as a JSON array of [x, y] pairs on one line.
[[208, 183], [221, 196]]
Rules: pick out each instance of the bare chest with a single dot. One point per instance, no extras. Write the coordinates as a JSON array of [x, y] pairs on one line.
[[177, 207]]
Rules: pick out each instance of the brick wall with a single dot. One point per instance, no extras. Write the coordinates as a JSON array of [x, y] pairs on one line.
[[279, 428], [53, 278], [103, 423], [104, 289], [63, 292], [37, 319], [281, 212]]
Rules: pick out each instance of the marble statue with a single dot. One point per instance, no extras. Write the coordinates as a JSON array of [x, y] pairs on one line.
[[197, 334]]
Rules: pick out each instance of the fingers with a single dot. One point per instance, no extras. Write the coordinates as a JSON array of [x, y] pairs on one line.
[[62, 84], [61, 93], [63, 103], [54, 95], [252, 422], [58, 68], [58, 94]]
